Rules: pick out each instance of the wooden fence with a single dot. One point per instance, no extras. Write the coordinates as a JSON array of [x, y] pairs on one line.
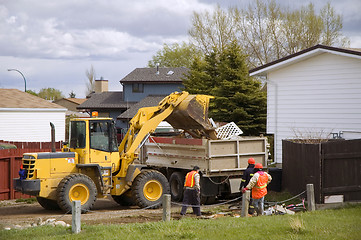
[[10, 162], [333, 167]]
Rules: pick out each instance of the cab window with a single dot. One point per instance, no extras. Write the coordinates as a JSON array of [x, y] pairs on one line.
[[77, 134], [99, 135]]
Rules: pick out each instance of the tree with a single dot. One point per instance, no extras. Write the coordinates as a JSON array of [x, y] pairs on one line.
[[50, 94], [90, 74], [238, 97], [211, 31], [266, 31], [175, 55], [32, 92], [332, 24], [72, 94]]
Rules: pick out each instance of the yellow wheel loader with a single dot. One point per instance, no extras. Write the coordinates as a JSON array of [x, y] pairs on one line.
[[92, 165]]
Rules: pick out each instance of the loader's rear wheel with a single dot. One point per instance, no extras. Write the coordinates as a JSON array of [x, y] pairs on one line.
[[76, 187], [148, 188], [176, 182], [126, 199], [48, 204]]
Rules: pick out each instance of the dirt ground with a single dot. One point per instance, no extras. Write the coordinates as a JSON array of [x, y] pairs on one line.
[[105, 211]]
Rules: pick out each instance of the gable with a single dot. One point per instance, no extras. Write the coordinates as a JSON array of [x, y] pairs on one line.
[[304, 55]]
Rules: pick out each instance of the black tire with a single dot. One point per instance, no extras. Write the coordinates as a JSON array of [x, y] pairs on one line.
[[76, 187], [48, 204], [176, 183], [148, 188], [126, 199], [208, 200]]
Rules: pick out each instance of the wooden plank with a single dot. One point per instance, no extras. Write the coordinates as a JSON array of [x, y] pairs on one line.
[[342, 156], [354, 188]]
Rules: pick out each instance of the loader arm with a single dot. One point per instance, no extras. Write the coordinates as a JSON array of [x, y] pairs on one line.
[[181, 110]]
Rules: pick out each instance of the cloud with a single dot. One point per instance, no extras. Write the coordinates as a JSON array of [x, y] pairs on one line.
[[91, 29], [54, 42]]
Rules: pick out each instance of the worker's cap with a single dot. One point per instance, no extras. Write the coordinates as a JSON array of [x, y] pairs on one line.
[[251, 161], [195, 168], [258, 165]]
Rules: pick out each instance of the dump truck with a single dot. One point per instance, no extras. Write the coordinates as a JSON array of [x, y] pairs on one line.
[[92, 165], [222, 162]]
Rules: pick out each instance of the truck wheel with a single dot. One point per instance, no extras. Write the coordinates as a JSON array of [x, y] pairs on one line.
[[208, 200], [176, 182], [126, 199], [76, 187], [48, 204], [148, 188]]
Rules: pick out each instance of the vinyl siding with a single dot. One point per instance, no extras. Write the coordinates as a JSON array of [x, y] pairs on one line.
[[31, 125], [314, 98], [150, 89]]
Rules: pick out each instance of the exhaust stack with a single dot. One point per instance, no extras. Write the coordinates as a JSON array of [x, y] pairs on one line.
[[53, 149]]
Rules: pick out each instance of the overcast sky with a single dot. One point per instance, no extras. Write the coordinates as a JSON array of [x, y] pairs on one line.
[[53, 43]]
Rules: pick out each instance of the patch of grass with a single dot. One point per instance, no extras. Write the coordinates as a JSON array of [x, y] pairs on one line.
[[26, 200], [324, 224], [297, 225]]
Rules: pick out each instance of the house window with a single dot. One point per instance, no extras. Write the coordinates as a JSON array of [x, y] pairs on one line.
[[137, 87]]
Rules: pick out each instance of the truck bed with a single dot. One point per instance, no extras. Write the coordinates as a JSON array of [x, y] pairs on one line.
[[214, 157]]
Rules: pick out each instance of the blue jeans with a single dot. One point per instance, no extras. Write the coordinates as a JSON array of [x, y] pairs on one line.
[[258, 205]]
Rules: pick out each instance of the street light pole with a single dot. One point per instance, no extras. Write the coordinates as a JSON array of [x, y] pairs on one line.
[[21, 75]]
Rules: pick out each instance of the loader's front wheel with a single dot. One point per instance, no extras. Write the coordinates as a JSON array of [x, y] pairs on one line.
[[48, 204], [148, 188], [76, 187]]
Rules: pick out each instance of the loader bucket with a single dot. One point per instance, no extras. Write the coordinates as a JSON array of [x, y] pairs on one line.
[[192, 113]]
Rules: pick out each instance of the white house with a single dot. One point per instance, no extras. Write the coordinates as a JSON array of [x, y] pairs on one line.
[[26, 118], [313, 93]]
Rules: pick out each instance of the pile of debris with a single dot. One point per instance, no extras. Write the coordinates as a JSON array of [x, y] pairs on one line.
[[39, 222]]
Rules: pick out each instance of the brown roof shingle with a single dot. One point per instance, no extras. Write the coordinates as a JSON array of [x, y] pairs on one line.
[[149, 101], [14, 98], [105, 100]]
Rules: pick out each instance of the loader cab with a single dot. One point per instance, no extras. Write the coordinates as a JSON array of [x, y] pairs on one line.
[[94, 139]]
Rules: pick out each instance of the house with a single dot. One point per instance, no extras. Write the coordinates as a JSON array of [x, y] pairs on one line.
[[315, 93], [107, 104], [142, 82], [26, 118], [137, 85], [71, 104]]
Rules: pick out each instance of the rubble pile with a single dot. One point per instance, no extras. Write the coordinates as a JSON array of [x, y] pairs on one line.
[[39, 222]]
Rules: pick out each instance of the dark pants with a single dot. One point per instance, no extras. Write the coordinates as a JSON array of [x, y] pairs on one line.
[[191, 197]]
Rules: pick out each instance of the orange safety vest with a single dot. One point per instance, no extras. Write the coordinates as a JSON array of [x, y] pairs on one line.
[[260, 190], [189, 182]]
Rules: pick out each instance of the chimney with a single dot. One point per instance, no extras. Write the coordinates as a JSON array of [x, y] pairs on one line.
[[101, 85]]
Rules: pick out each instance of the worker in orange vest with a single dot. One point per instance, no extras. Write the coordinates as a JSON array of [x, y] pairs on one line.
[[258, 184], [192, 192]]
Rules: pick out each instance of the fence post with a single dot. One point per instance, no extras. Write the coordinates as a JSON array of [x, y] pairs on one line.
[[166, 207], [310, 197], [245, 203], [76, 213]]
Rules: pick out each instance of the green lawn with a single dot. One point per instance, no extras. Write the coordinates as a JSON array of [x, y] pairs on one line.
[[342, 223]]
